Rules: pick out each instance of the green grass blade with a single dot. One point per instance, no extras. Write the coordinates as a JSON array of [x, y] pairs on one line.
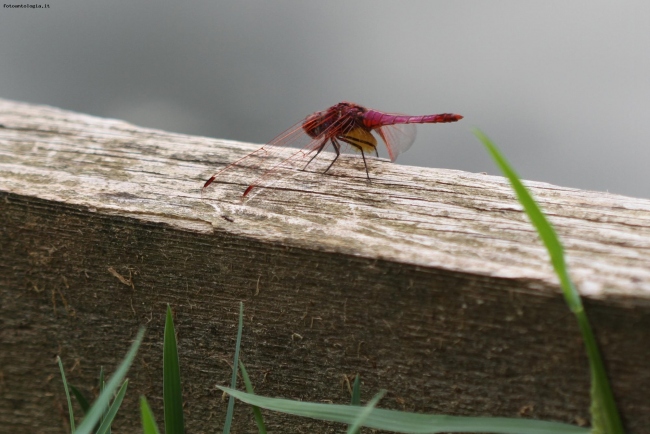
[[403, 422], [105, 427], [356, 391], [367, 410], [256, 410], [539, 220], [233, 380], [605, 418], [95, 412], [149, 425], [356, 397], [67, 395], [102, 385], [604, 412], [81, 399], [172, 391]]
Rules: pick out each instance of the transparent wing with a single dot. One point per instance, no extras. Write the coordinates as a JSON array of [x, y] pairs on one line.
[[291, 150], [398, 138]]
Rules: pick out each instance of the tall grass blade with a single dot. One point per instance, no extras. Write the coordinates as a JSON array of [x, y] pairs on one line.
[[95, 412], [356, 396], [256, 410], [604, 413], [233, 380], [356, 391], [403, 422], [539, 220], [149, 425], [67, 395], [102, 385], [81, 399], [105, 427], [605, 418], [172, 390]]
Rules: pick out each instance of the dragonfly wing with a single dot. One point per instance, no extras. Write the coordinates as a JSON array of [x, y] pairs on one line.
[[282, 164], [284, 152], [323, 127], [398, 138]]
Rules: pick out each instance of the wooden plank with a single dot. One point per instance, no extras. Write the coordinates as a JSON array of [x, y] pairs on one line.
[[429, 282]]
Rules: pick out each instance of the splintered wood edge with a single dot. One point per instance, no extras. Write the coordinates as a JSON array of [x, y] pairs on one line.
[[447, 219]]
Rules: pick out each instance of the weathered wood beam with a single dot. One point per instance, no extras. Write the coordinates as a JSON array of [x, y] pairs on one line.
[[430, 283]]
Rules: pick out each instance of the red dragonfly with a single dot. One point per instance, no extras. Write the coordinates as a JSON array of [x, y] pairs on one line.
[[343, 126]]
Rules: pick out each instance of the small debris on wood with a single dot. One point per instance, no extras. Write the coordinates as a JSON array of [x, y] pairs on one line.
[[127, 282]]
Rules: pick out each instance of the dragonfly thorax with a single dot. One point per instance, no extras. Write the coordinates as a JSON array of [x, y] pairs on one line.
[[344, 116]]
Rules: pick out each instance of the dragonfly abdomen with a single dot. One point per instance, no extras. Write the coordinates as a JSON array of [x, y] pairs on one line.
[[375, 119]]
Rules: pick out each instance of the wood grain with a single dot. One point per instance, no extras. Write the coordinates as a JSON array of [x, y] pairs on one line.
[[429, 282]]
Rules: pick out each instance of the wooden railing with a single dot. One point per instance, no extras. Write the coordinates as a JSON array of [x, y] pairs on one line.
[[430, 283]]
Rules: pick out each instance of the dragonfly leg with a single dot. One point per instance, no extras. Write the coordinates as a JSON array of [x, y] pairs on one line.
[[337, 148], [365, 164], [320, 148], [360, 148]]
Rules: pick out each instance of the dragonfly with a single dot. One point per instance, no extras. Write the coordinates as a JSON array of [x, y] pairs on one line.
[[343, 127]]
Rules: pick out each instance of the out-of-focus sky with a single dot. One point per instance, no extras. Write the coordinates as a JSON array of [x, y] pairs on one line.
[[563, 87]]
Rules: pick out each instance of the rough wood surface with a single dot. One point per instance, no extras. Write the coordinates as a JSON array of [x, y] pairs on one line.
[[430, 283]]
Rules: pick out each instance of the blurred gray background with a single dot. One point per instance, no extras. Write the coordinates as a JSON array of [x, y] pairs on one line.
[[562, 87]]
